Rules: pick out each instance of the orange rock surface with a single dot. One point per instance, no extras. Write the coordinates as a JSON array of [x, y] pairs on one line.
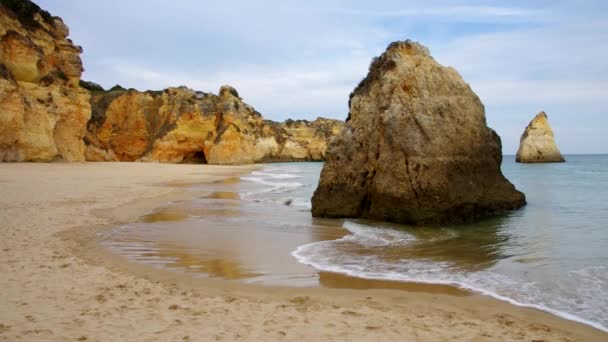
[[182, 125], [43, 111]]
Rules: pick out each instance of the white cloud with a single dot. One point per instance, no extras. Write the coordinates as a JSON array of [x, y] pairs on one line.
[[456, 13], [282, 90], [506, 92], [559, 67], [302, 58]]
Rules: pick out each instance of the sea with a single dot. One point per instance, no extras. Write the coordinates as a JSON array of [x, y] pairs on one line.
[[551, 255]]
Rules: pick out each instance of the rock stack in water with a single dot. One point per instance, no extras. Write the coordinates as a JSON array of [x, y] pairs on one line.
[[537, 144], [415, 148], [43, 111]]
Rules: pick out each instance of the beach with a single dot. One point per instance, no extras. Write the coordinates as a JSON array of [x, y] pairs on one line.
[[58, 283]]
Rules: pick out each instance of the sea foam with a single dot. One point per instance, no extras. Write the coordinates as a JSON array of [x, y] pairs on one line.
[[333, 256]]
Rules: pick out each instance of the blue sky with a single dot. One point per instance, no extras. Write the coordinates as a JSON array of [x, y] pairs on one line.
[[301, 59]]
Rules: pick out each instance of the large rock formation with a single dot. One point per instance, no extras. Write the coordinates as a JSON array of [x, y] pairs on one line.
[[537, 144], [415, 148], [182, 125], [43, 111]]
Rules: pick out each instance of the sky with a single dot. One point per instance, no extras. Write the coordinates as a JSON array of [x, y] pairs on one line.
[[301, 59]]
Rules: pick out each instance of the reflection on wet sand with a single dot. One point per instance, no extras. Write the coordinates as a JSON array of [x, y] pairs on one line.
[[183, 258], [231, 180], [255, 246], [215, 237], [180, 212], [164, 215], [186, 184], [226, 267], [220, 235], [229, 195]]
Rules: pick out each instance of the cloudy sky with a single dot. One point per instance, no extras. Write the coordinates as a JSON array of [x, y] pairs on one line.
[[301, 59]]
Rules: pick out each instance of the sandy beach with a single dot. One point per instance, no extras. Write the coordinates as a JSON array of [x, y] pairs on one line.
[[59, 284]]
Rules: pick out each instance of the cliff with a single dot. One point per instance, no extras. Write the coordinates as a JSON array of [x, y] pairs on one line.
[[43, 111], [415, 148], [537, 143], [48, 113], [182, 125]]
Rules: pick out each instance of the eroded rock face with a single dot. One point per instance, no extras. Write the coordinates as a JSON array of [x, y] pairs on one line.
[[415, 148], [43, 111], [181, 125], [537, 143]]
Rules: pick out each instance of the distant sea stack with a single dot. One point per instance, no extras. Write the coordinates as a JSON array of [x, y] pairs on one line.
[[415, 148], [179, 125], [43, 111], [537, 143]]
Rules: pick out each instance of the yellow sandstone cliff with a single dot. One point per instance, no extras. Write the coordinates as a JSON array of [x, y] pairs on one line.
[[182, 125], [43, 111], [46, 115]]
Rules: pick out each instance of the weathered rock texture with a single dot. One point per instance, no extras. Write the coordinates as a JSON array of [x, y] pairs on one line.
[[43, 111], [537, 144], [415, 148], [181, 125]]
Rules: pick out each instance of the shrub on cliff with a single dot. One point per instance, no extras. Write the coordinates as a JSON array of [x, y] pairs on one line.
[[25, 11], [91, 86], [117, 87]]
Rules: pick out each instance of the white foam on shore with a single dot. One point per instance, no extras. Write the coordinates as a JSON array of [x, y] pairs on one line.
[[275, 175], [330, 257], [277, 181], [272, 187], [264, 181], [373, 236]]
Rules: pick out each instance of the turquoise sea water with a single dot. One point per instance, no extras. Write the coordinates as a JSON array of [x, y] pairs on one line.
[[551, 255]]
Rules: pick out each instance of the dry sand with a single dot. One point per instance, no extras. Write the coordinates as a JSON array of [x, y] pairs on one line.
[[57, 284]]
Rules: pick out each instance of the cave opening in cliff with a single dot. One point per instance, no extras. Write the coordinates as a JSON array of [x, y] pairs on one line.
[[197, 157]]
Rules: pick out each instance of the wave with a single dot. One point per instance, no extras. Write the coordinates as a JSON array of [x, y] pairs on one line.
[[374, 236], [278, 181], [333, 256], [264, 181], [272, 187], [284, 169], [275, 175]]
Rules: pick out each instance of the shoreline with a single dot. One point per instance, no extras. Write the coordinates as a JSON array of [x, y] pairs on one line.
[[439, 305], [347, 281], [456, 289]]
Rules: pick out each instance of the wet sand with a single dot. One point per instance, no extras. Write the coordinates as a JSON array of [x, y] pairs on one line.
[[220, 236], [60, 284]]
